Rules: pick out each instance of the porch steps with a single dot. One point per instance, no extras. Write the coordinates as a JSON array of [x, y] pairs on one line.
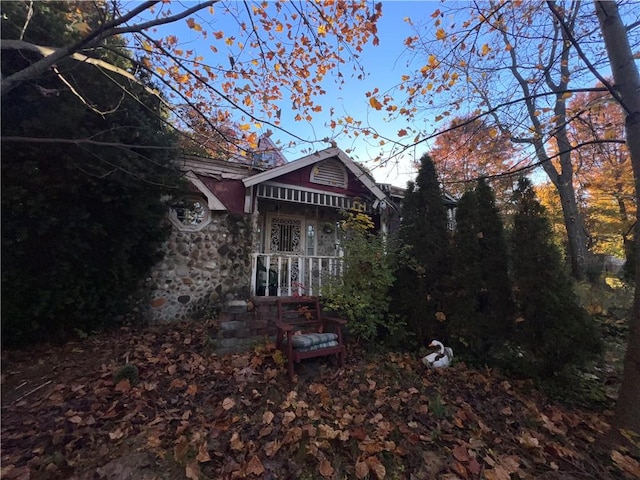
[[242, 326]]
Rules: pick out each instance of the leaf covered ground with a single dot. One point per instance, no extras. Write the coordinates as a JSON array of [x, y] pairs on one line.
[[188, 413]]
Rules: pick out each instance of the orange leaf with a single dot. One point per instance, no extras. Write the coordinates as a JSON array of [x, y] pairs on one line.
[[192, 471], [203, 453], [376, 467], [271, 448], [362, 470], [485, 49], [177, 383], [402, 132], [326, 470], [628, 464], [192, 389], [267, 417], [254, 467], [375, 103], [123, 385], [244, 127], [235, 443], [460, 453], [441, 34], [191, 23]]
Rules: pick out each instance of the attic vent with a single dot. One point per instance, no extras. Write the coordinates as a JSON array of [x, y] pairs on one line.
[[329, 172]]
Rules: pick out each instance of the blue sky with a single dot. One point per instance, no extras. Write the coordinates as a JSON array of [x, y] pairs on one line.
[[384, 65]]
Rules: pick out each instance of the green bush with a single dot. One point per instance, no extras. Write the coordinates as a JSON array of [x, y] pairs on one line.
[[423, 261], [552, 331], [481, 305], [362, 295]]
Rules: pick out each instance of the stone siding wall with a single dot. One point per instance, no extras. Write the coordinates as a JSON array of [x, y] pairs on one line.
[[202, 270]]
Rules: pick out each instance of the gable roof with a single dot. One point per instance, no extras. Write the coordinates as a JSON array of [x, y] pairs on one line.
[[333, 152]]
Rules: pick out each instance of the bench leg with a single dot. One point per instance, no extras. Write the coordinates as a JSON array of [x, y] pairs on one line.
[[290, 367]]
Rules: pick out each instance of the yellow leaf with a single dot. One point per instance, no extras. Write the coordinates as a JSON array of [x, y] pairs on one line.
[[322, 30], [375, 103], [493, 132], [243, 127], [432, 60], [485, 49], [279, 27], [441, 34]]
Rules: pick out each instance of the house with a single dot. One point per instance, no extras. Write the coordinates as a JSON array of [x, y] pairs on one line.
[[261, 228]]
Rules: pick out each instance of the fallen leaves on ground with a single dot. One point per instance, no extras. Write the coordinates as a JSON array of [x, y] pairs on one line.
[[195, 415]]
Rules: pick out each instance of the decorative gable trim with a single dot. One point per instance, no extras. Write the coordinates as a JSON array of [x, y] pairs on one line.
[[333, 152], [213, 202]]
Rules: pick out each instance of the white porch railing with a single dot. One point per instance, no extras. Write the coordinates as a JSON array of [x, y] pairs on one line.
[[285, 275]]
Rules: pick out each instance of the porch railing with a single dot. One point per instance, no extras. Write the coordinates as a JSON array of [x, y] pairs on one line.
[[285, 275]]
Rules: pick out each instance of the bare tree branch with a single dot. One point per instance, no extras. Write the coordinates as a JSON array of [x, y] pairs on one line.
[[108, 30]]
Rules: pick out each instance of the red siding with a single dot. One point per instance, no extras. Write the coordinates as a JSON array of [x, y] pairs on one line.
[[229, 192], [301, 177]]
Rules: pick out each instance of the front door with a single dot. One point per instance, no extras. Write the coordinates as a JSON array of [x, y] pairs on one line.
[[286, 237]]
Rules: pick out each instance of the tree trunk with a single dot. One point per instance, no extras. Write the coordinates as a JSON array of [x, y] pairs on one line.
[[576, 230], [627, 85]]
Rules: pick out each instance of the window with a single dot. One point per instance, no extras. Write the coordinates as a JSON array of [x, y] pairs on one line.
[[190, 213]]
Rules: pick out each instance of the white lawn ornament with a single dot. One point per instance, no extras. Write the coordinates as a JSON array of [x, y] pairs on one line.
[[441, 358]]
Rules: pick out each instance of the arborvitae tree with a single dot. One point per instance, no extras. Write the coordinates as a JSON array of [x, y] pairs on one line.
[[418, 293], [552, 330], [481, 303], [81, 222]]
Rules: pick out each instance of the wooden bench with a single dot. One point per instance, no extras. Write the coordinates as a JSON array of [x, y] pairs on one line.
[[303, 332]]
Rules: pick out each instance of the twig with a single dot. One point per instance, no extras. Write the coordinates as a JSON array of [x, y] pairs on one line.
[[33, 390]]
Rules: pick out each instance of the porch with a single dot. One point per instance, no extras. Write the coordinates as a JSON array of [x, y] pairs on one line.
[[281, 274]]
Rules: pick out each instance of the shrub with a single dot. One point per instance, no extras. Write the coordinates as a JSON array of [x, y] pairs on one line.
[[552, 331], [422, 268], [481, 305], [362, 294]]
